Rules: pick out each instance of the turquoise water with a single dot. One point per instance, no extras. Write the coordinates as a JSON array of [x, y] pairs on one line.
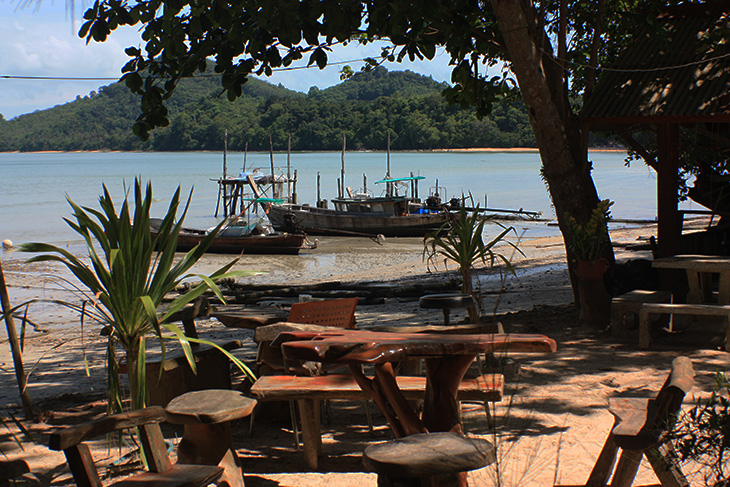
[[33, 186]]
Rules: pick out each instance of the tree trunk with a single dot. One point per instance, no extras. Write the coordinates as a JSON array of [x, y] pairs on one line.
[[467, 288], [136, 374], [565, 165]]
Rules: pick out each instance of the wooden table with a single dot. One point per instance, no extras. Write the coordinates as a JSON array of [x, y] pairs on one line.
[[447, 359], [699, 270]]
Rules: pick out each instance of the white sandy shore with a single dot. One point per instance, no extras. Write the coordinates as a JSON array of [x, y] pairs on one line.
[[551, 424]]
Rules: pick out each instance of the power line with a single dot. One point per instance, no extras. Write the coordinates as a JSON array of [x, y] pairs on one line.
[[71, 78]]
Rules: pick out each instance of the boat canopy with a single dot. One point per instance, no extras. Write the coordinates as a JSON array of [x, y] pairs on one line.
[[396, 180], [277, 201]]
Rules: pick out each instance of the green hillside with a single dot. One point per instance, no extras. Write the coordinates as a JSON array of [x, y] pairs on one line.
[[364, 107]]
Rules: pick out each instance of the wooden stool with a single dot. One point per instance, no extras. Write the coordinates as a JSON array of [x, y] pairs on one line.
[[631, 302], [445, 302], [207, 437], [427, 459]]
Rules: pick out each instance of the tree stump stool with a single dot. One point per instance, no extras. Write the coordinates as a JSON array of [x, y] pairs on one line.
[[207, 438], [427, 460], [445, 302]]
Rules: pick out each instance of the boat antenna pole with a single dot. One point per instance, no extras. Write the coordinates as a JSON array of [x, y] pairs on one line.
[[342, 176]]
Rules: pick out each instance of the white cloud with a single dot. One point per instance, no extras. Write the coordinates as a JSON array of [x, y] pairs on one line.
[[44, 43]]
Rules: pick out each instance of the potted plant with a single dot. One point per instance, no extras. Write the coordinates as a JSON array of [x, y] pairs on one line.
[[587, 242], [461, 242], [128, 276]]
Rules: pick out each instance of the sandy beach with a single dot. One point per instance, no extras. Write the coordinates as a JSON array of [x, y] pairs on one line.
[[549, 428]]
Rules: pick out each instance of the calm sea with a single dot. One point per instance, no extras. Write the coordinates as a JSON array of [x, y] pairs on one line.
[[34, 186]]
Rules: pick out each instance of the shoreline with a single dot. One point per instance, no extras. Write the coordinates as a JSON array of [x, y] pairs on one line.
[[462, 149]]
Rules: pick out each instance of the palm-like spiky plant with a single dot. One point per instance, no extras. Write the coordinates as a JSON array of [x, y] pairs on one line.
[[461, 242], [128, 276]]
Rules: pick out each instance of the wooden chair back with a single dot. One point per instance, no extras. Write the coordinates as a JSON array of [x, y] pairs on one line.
[[639, 431], [330, 312], [72, 440]]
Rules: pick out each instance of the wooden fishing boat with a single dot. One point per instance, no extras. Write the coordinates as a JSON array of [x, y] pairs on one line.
[[240, 240], [396, 216]]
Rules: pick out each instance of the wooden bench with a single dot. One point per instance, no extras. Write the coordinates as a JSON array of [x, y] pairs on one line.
[[648, 309], [638, 430], [161, 472], [308, 391]]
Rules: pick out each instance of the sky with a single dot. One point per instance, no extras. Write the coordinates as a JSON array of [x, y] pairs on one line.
[[42, 41]]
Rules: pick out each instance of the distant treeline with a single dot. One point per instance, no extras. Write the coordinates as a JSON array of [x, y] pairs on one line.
[[364, 108]]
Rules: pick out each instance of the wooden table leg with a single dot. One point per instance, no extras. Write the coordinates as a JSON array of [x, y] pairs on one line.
[[724, 291], [441, 406], [311, 431]]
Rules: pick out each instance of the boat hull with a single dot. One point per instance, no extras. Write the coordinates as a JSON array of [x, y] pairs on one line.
[[273, 243], [324, 221]]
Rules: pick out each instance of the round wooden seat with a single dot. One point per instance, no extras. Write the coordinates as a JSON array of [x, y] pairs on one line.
[[445, 302], [415, 460], [209, 406]]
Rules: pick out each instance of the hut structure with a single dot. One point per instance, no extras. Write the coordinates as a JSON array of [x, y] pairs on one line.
[[668, 97]]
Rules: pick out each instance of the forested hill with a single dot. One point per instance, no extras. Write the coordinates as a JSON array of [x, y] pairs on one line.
[[364, 107]]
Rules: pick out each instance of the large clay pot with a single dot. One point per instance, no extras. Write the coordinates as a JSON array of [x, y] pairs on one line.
[[592, 289], [591, 271]]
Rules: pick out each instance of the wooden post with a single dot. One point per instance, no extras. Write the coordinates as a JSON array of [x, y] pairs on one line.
[[288, 170], [294, 189], [388, 186], [319, 195], [225, 153], [364, 183], [271, 158], [669, 228], [344, 145], [15, 347]]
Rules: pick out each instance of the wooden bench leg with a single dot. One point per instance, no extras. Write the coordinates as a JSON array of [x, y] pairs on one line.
[[311, 432], [667, 472], [627, 467], [644, 329], [604, 464]]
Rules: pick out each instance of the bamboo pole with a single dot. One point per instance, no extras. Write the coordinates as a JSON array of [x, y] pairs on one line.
[[15, 348]]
